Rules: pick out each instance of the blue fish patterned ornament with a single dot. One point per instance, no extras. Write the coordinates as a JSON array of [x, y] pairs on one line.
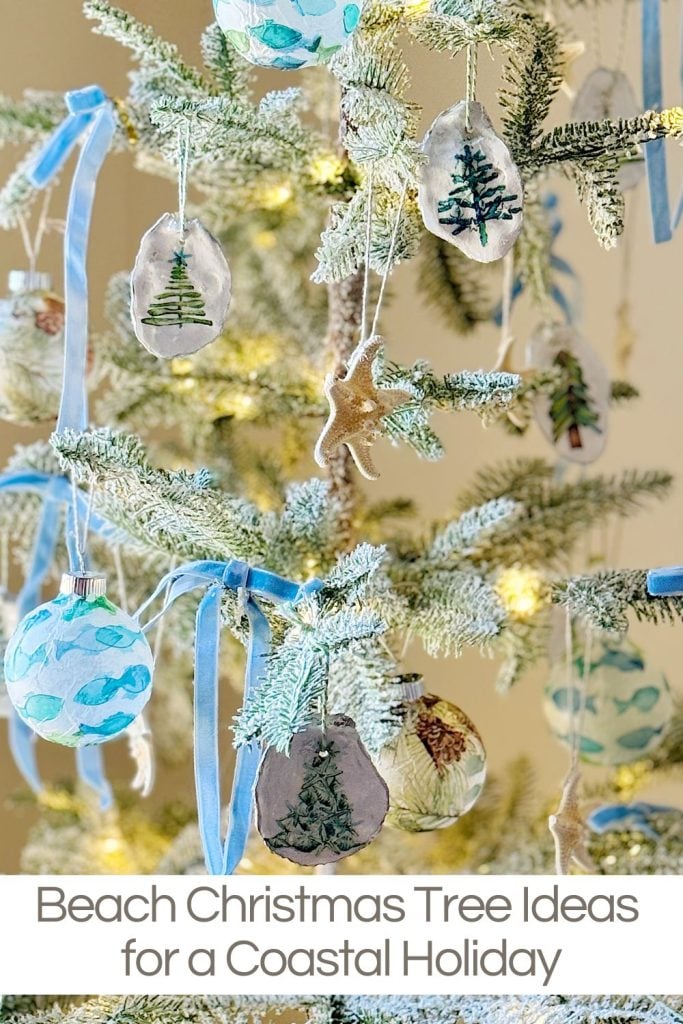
[[78, 670], [627, 708], [637, 817], [287, 34]]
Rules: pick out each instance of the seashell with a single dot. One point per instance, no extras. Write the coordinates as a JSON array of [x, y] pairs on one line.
[[471, 193], [607, 93]]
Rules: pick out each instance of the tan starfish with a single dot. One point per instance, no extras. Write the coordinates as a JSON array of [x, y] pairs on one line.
[[357, 407], [569, 829]]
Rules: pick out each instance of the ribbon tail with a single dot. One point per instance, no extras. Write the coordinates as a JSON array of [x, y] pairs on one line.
[[206, 771], [655, 151], [90, 766], [248, 756]]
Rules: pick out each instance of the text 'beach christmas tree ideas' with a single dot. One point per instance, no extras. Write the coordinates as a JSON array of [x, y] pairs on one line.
[[172, 529]]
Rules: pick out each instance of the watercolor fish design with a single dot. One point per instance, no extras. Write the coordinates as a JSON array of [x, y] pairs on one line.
[[628, 817], [20, 663], [639, 738], [569, 698], [109, 727], [92, 639], [643, 699], [282, 37], [41, 707], [134, 680]]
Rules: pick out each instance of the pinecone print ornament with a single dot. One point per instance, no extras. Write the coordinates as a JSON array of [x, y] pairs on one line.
[[31, 350], [323, 801], [435, 769], [471, 193], [180, 288]]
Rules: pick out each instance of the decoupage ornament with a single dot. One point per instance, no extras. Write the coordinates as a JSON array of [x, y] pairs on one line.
[[357, 407], [627, 708], [573, 414], [608, 94], [287, 34], [78, 670], [323, 801], [180, 288], [435, 769], [471, 193], [31, 349]]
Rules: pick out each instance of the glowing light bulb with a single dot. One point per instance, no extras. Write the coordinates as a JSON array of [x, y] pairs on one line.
[[521, 591], [274, 197], [327, 169]]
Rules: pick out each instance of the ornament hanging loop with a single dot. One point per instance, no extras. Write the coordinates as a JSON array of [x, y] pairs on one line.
[[471, 84], [184, 146]]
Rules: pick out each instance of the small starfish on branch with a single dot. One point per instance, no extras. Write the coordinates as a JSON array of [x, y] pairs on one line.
[[357, 407], [569, 829]]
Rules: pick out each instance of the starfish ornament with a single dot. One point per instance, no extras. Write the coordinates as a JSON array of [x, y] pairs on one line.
[[569, 829], [357, 407]]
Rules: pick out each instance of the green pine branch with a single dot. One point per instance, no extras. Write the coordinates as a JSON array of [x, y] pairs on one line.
[[605, 599]]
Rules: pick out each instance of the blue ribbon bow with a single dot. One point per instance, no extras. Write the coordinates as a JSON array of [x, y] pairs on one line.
[[221, 857]]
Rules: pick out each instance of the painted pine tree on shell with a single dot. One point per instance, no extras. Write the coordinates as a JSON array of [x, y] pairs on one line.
[[475, 200], [181, 303], [571, 404]]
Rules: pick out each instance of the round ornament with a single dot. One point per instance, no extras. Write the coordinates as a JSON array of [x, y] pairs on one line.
[[608, 94], [628, 707], [31, 350], [471, 193], [325, 800], [435, 769], [287, 34], [573, 414], [78, 670], [180, 288]]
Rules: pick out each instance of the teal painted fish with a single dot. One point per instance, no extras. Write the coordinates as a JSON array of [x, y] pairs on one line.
[[351, 17], [624, 660], [93, 638], [278, 37], [569, 698], [134, 680], [42, 707], [39, 615], [639, 738], [286, 63], [20, 663], [109, 727], [643, 699]]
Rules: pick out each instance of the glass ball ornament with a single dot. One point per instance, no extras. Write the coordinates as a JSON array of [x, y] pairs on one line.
[[31, 350], [78, 670], [287, 34], [628, 706], [435, 768]]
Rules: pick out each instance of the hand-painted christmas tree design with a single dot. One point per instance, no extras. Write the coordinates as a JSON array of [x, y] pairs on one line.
[[571, 405], [323, 817], [181, 303], [475, 199]]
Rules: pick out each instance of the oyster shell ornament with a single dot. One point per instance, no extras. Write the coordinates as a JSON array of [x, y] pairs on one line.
[[180, 288], [323, 801], [471, 193], [287, 34], [607, 93], [573, 415]]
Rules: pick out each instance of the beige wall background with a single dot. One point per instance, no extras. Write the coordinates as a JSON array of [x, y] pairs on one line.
[[47, 44]]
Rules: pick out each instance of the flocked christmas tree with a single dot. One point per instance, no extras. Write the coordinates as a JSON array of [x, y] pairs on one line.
[[181, 303], [277, 187], [475, 198], [571, 405]]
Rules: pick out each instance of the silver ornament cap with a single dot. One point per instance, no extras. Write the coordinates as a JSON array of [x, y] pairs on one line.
[[83, 584], [412, 688], [20, 282]]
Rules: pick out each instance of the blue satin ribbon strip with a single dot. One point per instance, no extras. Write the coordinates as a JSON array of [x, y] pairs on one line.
[[223, 856]]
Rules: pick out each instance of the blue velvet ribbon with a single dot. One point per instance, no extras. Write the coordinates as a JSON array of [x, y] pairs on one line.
[[56, 494], [666, 582], [91, 112], [223, 856], [663, 223]]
